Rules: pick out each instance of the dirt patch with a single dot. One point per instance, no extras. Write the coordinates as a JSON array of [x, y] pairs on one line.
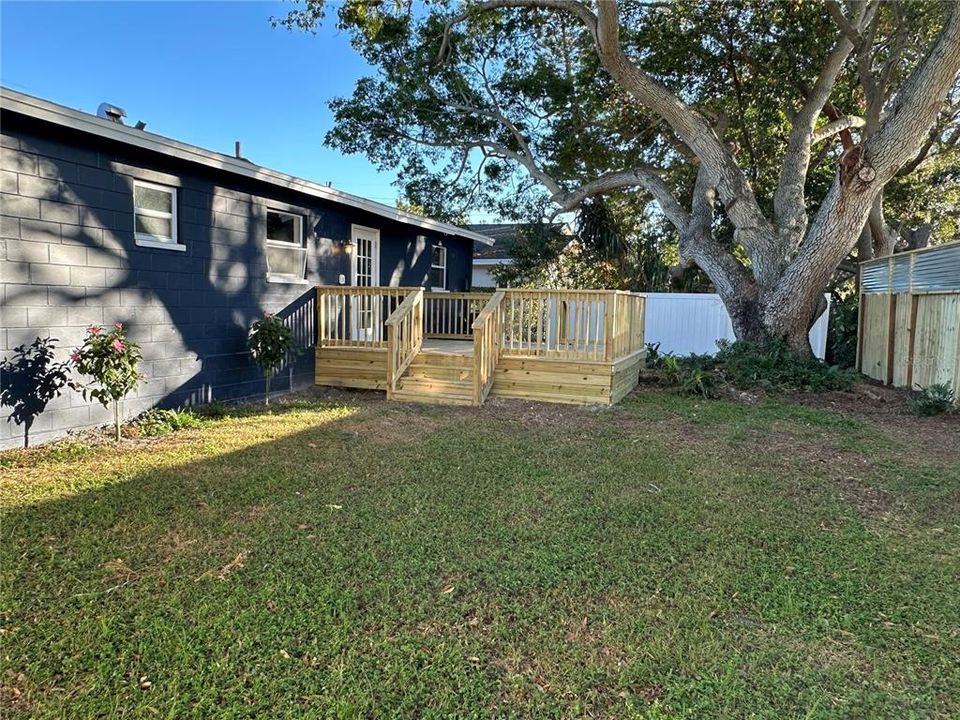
[[542, 415], [935, 439]]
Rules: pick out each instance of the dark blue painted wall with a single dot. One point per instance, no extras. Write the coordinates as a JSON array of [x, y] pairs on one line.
[[69, 260]]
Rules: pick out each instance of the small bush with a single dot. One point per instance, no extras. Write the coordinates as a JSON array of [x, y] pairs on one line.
[[690, 375], [215, 410], [933, 400], [271, 343], [160, 422], [112, 362]]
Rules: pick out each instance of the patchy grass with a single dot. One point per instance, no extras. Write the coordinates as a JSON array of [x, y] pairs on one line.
[[349, 557]]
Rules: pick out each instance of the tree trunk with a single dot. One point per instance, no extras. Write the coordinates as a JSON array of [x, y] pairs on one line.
[[266, 394], [116, 418]]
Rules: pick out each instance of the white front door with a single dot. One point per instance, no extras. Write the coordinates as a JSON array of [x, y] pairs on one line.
[[365, 272]]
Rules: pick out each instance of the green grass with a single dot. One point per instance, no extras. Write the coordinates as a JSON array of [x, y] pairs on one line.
[[354, 558]]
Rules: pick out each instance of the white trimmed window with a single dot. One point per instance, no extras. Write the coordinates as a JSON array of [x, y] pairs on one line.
[[438, 268], [286, 254], [155, 215]]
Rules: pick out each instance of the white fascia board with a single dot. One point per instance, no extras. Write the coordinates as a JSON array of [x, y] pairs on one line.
[[13, 101], [493, 261]]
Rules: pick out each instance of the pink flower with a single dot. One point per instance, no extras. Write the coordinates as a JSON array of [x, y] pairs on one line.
[[75, 356], [118, 325], [267, 315], [118, 346], [94, 330]]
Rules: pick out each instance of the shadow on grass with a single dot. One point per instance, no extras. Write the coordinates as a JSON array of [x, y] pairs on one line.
[[378, 560]]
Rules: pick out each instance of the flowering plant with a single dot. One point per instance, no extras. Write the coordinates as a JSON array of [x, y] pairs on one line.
[[270, 342], [111, 360]]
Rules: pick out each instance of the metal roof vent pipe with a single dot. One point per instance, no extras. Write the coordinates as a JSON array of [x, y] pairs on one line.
[[111, 112]]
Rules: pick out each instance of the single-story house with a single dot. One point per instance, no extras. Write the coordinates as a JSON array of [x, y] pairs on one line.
[[104, 223], [506, 236], [487, 257]]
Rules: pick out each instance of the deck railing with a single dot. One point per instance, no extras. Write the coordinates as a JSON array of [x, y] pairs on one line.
[[356, 316], [450, 315], [487, 335], [627, 324], [404, 336], [577, 325]]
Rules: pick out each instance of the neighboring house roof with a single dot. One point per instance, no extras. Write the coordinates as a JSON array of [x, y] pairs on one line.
[[505, 236], [23, 104]]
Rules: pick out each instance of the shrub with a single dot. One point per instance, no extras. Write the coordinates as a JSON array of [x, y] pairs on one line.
[[111, 361], [30, 380], [771, 365], [654, 358], [934, 399], [215, 410], [160, 422], [270, 343], [690, 375]]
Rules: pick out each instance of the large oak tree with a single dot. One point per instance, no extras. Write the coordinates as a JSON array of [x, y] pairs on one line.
[[765, 132]]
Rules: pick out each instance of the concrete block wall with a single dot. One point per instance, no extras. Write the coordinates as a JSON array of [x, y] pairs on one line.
[[68, 260]]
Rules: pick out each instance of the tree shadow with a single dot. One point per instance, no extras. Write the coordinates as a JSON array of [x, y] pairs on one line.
[[29, 380]]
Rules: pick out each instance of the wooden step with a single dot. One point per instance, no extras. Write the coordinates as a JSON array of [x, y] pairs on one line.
[[447, 374], [435, 398], [432, 359], [434, 386]]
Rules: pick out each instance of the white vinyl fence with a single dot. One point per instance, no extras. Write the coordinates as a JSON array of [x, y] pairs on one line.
[[685, 323]]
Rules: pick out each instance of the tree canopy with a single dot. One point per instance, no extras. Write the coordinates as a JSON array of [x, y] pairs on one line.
[[731, 120]]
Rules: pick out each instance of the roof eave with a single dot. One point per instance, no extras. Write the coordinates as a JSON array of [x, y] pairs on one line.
[[13, 101]]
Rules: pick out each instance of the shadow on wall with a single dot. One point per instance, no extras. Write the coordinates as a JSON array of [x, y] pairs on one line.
[[190, 311], [29, 380]]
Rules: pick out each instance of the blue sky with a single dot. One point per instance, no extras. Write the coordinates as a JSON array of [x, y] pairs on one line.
[[206, 73]]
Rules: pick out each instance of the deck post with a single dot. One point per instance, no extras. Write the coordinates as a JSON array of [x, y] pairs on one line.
[[608, 318]]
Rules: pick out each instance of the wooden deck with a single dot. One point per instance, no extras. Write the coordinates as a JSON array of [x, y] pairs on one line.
[[584, 347]]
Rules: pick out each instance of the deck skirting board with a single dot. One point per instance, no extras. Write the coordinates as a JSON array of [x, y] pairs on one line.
[[527, 378]]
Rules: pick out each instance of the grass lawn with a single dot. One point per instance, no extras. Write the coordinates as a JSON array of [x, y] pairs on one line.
[[347, 557]]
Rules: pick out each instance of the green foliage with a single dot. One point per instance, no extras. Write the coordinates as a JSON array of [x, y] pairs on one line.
[[749, 61], [770, 365], [936, 399], [215, 410], [773, 365], [112, 362], [842, 329], [157, 421], [692, 375], [614, 245], [30, 379], [271, 342]]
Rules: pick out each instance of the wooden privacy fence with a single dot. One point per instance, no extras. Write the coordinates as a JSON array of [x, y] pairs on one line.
[[909, 329]]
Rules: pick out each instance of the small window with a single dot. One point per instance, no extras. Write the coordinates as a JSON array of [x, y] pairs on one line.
[[286, 255], [155, 215], [438, 268]]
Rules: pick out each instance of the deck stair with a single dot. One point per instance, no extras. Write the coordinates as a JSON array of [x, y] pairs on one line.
[[443, 377]]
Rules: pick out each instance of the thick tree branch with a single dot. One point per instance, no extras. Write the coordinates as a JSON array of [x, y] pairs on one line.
[[647, 178], [839, 125]]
